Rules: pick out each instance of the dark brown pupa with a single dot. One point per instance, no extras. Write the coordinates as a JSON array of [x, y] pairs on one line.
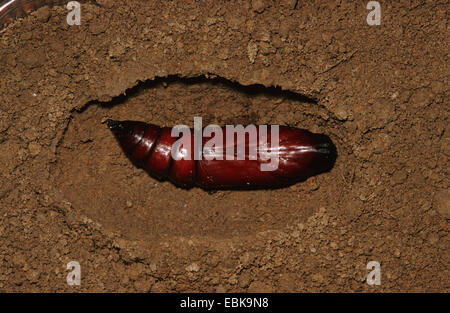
[[301, 154]]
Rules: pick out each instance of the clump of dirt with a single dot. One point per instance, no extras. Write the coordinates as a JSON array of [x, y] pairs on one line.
[[68, 193]]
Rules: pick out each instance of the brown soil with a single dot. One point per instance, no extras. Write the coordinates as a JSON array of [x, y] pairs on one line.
[[67, 191]]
